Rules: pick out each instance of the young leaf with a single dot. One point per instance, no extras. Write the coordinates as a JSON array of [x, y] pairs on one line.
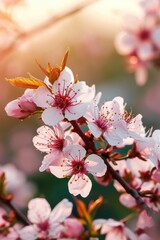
[[21, 82]]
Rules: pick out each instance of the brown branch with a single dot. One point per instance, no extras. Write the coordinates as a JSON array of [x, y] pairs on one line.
[[45, 25], [89, 145]]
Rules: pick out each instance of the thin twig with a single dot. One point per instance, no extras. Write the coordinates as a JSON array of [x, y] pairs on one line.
[[134, 193], [45, 25], [20, 216]]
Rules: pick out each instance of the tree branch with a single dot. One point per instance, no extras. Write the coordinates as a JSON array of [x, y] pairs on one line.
[[89, 145], [21, 36]]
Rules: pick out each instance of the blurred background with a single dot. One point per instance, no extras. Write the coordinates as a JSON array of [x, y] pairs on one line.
[[43, 30]]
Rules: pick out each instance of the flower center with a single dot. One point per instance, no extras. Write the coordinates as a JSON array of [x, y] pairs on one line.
[[144, 34], [43, 226], [78, 167], [62, 102]]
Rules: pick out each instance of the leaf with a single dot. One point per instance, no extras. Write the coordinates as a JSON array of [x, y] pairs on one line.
[[81, 207], [82, 210], [21, 82], [94, 205], [64, 60], [53, 72]]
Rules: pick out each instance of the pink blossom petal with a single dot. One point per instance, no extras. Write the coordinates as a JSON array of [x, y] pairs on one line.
[[61, 171], [61, 211], [28, 233], [55, 231], [144, 221], [95, 165], [95, 130], [73, 228], [65, 80], [13, 110], [75, 112], [52, 116], [42, 101], [145, 51], [38, 210], [51, 159], [156, 36], [126, 43], [80, 185], [75, 152], [127, 200], [141, 75]]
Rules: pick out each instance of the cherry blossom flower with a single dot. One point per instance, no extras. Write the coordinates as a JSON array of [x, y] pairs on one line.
[[76, 166], [114, 229], [23, 106], [51, 141], [139, 41], [108, 121], [46, 224], [67, 99]]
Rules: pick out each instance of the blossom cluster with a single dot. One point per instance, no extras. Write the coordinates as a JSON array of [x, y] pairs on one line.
[[80, 137], [139, 41]]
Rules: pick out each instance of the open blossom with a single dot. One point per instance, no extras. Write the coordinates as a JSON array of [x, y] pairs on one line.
[[108, 121], [51, 141], [77, 166], [23, 106], [114, 229], [66, 99], [112, 121], [139, 40], [46, 224]]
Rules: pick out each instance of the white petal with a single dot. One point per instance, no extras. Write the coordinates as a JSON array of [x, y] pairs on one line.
[[38, 210], [156, 36], [51, 159], [75, 152], [52, 116], [145, 51], [55, 230], [65, 80], [61, 171], [75, 112], [141, 75], [125, 43], [95, 130], [95, 165], [61, 211], [80, 185], [28, 233], [42, 97]]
